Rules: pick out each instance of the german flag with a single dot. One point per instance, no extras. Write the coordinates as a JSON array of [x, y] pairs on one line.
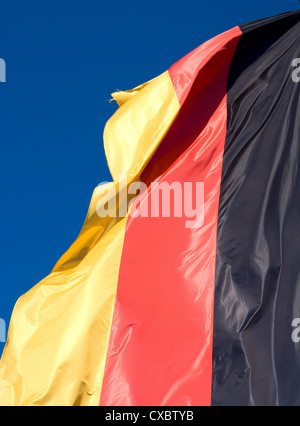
[[196, 300]]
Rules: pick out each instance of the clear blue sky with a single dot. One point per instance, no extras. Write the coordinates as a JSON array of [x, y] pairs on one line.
[[64, 58]]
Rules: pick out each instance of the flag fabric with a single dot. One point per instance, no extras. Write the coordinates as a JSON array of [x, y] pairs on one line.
[[171, 309]]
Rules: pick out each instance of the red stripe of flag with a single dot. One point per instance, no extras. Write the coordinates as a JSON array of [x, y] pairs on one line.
[[160, 350]]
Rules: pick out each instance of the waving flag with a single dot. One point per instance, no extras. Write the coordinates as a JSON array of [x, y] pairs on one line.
[[198, 306]]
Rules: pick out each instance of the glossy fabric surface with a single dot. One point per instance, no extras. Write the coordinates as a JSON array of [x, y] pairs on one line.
[[256, 362], [150, 311], [59, 332], [160, 351]]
